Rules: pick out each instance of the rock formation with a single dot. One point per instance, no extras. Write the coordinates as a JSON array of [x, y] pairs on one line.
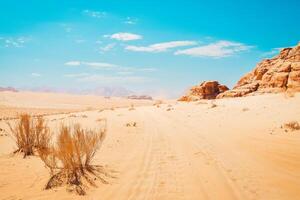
[[206, 90], [278, 74]]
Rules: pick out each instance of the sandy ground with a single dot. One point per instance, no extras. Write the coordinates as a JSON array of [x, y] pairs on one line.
[[14, 103], [236, 150]]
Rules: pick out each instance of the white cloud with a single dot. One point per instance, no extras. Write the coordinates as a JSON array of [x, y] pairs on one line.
[[161, 47], [94, 14], [124, 36], [112, 79], [215, 50], [35, 74], [73, 63], [95, 65], [13, 42], [109, 66], [99, 65]]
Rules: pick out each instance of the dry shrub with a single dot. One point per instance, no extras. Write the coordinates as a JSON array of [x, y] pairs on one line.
[[84, 116], [70, 159], [30, 134], [131, 124], [292, 126]]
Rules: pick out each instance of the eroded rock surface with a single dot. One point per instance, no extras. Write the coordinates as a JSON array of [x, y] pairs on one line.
[[206, 90], [278, 74]]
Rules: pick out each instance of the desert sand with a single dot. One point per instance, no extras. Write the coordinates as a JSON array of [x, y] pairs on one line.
[[210, 149]]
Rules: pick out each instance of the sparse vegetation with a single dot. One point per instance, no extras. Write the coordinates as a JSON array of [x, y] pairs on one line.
[[291, 126], [30, 134], [131, 124], [70, 158]]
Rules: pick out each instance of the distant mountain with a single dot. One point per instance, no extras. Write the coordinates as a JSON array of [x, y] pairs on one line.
[[99, 91], [107, 91], [10, 89]]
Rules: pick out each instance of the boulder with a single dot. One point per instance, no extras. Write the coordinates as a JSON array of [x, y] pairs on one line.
[[206, 90]]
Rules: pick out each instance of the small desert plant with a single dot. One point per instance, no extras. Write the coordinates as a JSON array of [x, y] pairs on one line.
[[69, 159], [131, 124], [30, 134], [292, 126]]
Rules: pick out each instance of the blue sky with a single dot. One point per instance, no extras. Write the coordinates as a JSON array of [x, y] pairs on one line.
[[154, 47]]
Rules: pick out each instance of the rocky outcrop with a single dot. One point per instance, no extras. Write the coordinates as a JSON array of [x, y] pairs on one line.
[[281, 73], [206, 90]]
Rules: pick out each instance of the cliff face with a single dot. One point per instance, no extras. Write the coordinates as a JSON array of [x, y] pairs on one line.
[[206, 90], [274, 75]]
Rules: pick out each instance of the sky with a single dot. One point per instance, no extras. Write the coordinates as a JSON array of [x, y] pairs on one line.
[[159, 48]]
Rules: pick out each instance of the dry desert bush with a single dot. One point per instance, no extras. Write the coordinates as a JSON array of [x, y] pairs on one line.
[[69, 159], [30, 134], [292, 126], [131, 124]]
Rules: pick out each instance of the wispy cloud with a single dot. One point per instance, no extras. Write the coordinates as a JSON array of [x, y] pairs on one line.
[[73, 63], [130, 21], [94, 14], [272, 52], [99, 78], [13, 42], [122, 36], [35, 74], [160, 47], [217, 49], [99, 65], [95, 65], [110, 66]]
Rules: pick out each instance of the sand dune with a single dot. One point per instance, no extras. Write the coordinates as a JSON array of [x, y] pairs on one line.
[[233, 150]]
